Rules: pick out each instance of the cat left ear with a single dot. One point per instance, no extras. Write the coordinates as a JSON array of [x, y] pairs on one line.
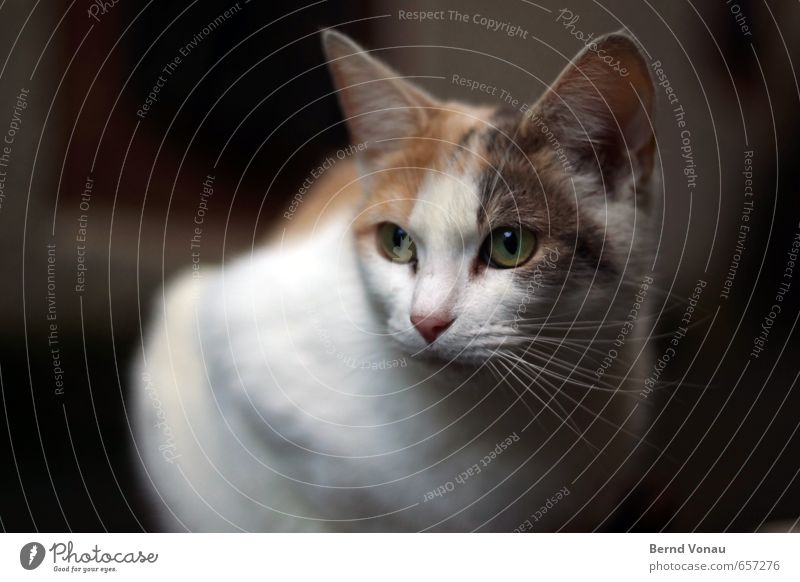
[[380, 106], [600, 108]]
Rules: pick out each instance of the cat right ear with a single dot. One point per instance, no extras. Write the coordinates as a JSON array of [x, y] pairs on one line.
[[380, 107], [601, 110]]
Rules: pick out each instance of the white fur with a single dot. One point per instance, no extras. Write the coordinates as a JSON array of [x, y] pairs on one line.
[[272, 421]]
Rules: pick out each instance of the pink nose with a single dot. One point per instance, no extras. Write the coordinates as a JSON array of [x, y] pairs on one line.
[[431, 326]]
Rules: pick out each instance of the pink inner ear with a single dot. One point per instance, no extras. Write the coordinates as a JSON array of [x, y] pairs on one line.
[[634, 96], [638, 131]]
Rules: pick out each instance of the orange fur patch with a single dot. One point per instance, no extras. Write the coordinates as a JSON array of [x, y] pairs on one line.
[[396, 184], [338, 190], [396, 180]]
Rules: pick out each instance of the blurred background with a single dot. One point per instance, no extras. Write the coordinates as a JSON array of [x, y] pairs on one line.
[[100, 184]]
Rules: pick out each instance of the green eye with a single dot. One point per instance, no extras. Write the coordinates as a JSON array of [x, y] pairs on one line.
[[508, 247], [396, 243]]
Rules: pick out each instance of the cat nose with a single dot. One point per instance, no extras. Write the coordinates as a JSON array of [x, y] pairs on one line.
[[432, 325]]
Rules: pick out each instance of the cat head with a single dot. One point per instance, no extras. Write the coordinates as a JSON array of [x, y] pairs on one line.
[[481, 227]]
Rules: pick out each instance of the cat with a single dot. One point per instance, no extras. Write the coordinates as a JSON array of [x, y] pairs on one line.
[[449, 336]]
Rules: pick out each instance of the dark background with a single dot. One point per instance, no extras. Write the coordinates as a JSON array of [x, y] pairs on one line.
[[252, 105]]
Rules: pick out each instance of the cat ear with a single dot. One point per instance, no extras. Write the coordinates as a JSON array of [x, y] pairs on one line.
[[378, 104], [600, 109]]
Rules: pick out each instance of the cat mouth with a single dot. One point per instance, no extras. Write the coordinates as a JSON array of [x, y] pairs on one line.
[[444, 350]]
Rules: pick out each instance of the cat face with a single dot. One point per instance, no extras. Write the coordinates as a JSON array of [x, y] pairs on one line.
[[481, 228]]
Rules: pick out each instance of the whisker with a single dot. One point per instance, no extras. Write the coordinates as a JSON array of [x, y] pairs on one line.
[[563, 421], [598, 416], [520, 398]]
